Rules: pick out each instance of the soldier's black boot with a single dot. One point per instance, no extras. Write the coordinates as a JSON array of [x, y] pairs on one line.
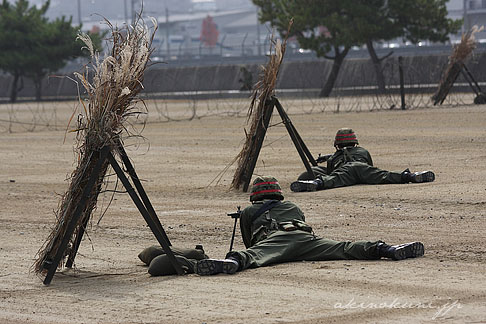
[[401, 251], [423, 176], [417, 177], [307, 185], [406, 176], [214, 266]]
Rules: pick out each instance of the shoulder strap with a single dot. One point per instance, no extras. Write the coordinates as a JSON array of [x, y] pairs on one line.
[[347, 156], [266, 206]]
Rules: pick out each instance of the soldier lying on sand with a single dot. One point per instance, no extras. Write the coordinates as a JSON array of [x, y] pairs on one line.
[[350, 165], [274, 231]]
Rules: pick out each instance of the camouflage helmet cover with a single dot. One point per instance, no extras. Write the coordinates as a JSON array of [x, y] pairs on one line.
[[265, 187], [345, 136]]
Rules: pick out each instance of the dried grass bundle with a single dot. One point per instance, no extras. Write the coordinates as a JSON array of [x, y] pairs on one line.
[[460, 53], [263, 90], [112, 97]]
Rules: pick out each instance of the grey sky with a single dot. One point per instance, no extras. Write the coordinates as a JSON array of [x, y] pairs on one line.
[[120, 9]]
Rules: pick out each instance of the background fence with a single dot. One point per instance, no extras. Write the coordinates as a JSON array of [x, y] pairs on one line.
[[187, 92]]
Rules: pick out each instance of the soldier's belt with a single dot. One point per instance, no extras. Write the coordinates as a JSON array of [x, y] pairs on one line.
[[264, 231]]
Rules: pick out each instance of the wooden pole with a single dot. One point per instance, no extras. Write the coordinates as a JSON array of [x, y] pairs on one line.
[[148, 219], [402, 85], [52, 265], [141, 191], [304, 153], [257, 142]]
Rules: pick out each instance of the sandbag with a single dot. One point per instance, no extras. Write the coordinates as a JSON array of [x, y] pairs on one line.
[[318, 170], [161, 265], [148, 254]]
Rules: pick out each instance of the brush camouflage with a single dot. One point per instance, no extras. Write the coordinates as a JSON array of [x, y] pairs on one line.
[[266, 188], [344, 137]]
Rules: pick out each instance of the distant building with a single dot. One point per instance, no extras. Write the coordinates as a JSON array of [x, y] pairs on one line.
[[239, 31], [472, 11], [203, 5]]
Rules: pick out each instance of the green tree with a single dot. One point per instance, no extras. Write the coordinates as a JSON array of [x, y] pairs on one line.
[[332, 27], [18, 39], [326, 27], [33, 47], [412, 20], [58, 45]]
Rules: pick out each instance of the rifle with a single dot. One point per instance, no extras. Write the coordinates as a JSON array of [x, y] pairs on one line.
[[323, 158], [234, 215]]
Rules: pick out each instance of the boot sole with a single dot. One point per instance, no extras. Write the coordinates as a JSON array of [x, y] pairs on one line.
[[208, 267], [409, 250], [426, 176], [298, 186]]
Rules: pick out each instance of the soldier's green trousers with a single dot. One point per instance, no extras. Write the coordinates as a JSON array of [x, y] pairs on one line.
[[281, 246], [353, 173], [317, 170]]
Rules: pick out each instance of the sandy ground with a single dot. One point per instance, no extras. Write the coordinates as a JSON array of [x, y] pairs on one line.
[[110, 285]]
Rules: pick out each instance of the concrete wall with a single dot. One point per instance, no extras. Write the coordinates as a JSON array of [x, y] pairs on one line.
[[354, 74]]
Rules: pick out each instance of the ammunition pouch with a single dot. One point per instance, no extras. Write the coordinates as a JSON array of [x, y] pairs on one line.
[[263, 231], [287, 226], [295, 224]]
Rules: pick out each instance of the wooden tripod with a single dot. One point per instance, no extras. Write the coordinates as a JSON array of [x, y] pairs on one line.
[[138, 196], [302, 149]]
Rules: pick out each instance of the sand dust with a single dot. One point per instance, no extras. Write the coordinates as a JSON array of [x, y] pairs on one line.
[[110, 285]]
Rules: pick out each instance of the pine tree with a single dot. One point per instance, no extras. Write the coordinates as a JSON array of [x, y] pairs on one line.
[[331, 27]]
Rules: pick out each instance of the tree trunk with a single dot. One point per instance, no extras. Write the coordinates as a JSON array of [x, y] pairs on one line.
[[336, 65], [38, 87], [15, 88], [380, 79]]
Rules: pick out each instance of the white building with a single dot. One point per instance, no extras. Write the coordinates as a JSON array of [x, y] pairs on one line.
[[239, 32], [472, 11]]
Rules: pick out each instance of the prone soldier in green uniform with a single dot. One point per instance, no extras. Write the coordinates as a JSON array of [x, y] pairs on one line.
[[350, 165], [275, 231]]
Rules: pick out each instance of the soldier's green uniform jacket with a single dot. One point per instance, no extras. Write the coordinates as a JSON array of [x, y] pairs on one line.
[[350, 166], [253, 232], [348, 154], [281, 235], [353, 165]]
